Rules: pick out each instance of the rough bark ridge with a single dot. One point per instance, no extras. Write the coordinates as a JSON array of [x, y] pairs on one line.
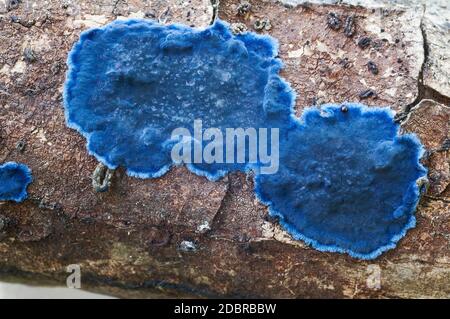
[[181, 235]]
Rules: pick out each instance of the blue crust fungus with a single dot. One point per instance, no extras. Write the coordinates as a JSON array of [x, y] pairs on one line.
[[131, 83], [14, 180], [347, 180]]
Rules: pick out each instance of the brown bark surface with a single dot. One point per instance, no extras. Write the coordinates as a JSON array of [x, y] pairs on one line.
[[182, 235]]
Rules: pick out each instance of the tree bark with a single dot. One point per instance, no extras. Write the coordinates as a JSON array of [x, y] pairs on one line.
[[184, 236]]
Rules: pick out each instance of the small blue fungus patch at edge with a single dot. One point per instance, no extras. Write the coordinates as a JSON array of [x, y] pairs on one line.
[[346, 180], [14, 180]]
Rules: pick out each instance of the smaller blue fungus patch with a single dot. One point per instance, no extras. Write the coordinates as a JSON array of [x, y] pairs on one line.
[[347, 180], [14, 180]]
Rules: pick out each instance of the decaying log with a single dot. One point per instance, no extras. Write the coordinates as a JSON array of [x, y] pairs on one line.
[[182, 235]]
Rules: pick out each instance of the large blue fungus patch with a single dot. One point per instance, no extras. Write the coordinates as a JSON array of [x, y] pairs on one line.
[[347, 180], [14, 180], [131, 83]]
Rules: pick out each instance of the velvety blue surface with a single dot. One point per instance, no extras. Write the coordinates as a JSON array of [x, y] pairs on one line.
[[14, 179], [132, 82], [347, 181]]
